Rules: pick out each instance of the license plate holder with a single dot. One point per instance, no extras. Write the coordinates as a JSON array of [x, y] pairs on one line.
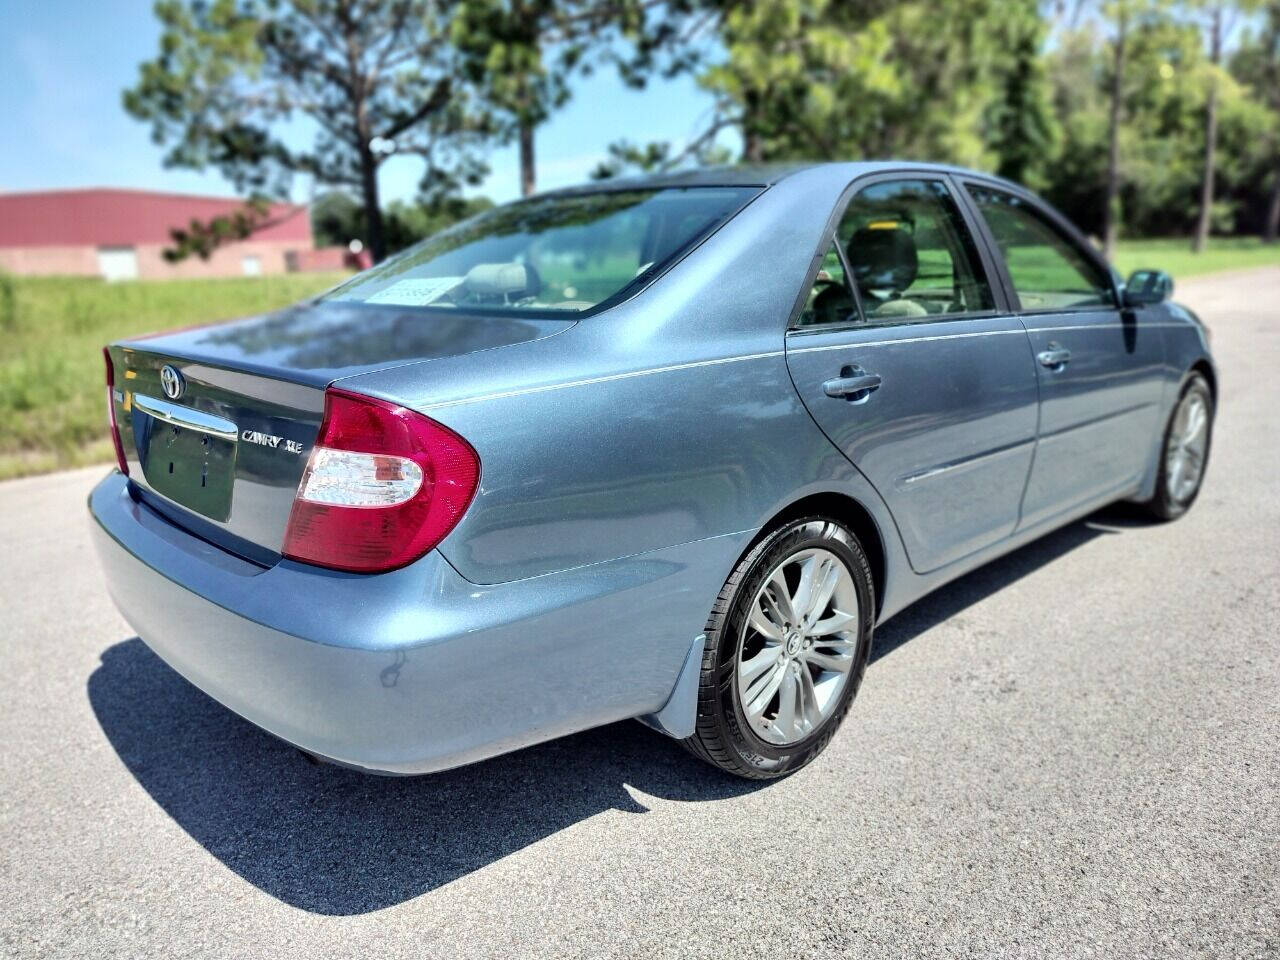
[[190, 466]]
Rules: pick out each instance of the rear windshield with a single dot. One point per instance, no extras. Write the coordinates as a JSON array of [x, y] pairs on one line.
[[567, 253]]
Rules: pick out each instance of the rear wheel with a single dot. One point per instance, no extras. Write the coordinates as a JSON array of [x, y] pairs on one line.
[[1185, 452], [787, 645]]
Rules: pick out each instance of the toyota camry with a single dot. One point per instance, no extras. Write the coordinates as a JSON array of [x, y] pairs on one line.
[[666, 448]]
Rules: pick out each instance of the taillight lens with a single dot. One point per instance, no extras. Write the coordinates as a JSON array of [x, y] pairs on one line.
[[111, 413], [383, 486]]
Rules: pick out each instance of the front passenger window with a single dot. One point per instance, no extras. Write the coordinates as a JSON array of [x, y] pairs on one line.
[[1046, 268]]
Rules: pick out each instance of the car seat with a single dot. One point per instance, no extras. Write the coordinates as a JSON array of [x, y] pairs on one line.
[[883, 257]]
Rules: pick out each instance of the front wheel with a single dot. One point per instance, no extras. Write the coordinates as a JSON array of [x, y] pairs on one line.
[[1185, 451], [787, 645]]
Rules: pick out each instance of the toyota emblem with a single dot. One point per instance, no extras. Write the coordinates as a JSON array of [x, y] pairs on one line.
[[172, 382]]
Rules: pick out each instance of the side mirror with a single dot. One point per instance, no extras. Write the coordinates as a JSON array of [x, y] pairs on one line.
[[1146, 287]]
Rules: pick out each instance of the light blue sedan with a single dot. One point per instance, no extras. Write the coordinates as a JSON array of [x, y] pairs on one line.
[[665, 448]]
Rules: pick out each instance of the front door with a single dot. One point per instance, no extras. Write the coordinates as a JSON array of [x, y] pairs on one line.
[[906, 364], [1099, 367]]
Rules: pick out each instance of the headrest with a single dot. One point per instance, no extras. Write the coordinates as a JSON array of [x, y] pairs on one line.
[[502, 280], [883, 257]]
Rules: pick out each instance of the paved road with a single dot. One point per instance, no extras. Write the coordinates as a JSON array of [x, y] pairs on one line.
[[1072, 752]]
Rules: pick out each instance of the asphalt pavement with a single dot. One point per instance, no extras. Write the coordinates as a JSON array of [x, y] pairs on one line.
[[1073, 752]]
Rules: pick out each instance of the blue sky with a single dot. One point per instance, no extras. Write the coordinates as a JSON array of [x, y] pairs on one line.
[[64, 65]]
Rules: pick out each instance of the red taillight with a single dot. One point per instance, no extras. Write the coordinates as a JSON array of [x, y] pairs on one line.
[[382, 487], [111, 413]]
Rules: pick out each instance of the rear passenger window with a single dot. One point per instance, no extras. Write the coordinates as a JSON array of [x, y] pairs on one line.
[[911, 258], [1047, 269]]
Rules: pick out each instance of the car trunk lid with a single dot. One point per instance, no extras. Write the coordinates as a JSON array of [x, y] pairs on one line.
[[217, 422]]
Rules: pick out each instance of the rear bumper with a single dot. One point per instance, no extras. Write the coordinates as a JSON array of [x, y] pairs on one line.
[[415, 670]]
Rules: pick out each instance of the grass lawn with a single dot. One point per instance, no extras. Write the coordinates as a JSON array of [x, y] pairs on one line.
[[52, 386], [1175, 258]]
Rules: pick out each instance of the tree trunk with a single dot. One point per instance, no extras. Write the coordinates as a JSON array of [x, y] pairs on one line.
[[528, 169], [1205, 220], [1271, 44], [372, 211], [752, 142], [1110, 214], [358, 91], [1272, 228]]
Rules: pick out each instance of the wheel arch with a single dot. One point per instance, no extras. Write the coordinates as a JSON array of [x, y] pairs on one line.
[[1205, 369], [844, 509]]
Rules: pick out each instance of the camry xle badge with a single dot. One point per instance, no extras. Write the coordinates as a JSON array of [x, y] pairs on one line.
[[267, 440], [172, 382]]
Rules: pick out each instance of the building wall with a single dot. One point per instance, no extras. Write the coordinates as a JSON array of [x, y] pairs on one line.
[[80, 261], [228, 261]]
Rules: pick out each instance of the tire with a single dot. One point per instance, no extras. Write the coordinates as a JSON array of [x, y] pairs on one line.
[[826, 640], [1172, 497]]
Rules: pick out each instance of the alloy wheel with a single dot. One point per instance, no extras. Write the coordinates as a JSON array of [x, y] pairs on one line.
[[797, 646], [1185, 451]]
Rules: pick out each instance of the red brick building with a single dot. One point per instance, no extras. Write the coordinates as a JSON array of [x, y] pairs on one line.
[[122, 234]]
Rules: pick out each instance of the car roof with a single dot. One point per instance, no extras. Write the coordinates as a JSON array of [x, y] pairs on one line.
[[758, 175]]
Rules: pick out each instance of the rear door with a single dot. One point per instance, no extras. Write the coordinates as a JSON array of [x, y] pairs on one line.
[[1099, 367], [907, 361]]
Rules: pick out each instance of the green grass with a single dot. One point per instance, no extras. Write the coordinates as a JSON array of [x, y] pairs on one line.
[[52, 391], [1175, 258]]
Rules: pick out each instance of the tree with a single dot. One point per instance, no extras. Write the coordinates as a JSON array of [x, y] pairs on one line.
[[372, 78], [1204, 221], [1158, 143], [337, 219], [790, 71], [201, 238], [1162, 140], [521, 55], [407, 223], [1216, 29], [1121, 13], [1257, 64], [1270, 46], [828, 79], [1220, 19], [1023, 131], [1075, 171], [625, 155]]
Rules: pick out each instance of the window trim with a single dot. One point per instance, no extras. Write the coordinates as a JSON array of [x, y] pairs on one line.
[[1066, 229], [987, 264], [854, 293]]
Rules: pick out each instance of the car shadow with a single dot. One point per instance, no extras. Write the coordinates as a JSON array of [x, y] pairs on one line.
[[338, 842], [947, 601]]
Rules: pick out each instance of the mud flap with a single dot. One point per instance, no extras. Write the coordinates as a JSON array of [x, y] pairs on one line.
[[680, 713]]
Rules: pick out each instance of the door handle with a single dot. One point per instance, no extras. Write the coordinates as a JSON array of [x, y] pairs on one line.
[[1055, 358], [856, 387]]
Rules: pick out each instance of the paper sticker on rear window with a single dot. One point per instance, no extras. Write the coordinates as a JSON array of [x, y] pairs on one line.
[[415, 292]]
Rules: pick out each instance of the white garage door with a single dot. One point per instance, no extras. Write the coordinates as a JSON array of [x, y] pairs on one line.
[[118, 263], [251, 266]]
